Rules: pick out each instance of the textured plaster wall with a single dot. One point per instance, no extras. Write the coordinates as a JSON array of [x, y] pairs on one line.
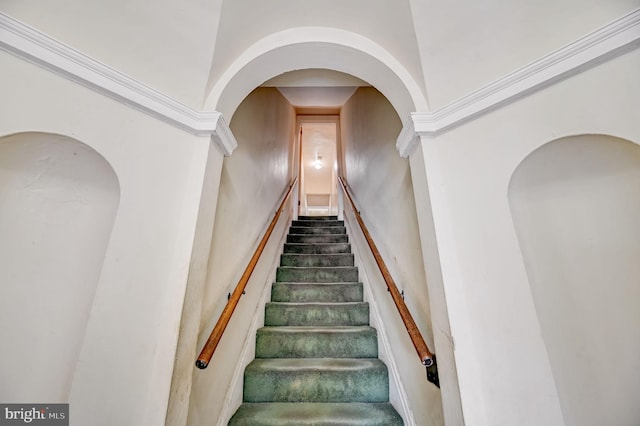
[[59, 199]]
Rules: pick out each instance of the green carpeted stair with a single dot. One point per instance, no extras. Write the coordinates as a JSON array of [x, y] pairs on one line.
[[316, 357]]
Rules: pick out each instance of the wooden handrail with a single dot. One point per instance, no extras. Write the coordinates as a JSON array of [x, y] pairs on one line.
[[426, 356], [216, 334]]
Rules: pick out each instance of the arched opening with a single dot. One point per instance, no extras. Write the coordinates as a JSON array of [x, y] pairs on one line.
[[575, 204], [317, 48], [59, 199], [262, 117], [368, 125]]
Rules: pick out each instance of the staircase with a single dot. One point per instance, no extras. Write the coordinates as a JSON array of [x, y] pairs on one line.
[[316, 357]]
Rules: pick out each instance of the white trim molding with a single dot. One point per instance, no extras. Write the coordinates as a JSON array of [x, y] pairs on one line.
[[617, 37], [28, 43], [37, 47]]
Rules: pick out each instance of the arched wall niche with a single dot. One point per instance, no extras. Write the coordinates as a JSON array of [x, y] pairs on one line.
[[316, 48], [58, 202], [575, 204]]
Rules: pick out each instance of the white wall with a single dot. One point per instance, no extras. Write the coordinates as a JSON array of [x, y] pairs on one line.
[[576, 204], [130, 339], [382, 187], [59, 200], [166, 45], [504, 371], [188, 348], [244, 22], [444, 344], [465, 45], [253, 181]]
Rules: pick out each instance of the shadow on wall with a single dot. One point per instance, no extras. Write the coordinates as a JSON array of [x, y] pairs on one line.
[[58, 201], [576, 208]]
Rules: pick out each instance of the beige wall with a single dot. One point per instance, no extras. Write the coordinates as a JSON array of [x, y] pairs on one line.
[[253, 181], [383, 189]]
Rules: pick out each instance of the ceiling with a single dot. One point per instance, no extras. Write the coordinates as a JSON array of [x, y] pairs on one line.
[[316, 88], [317, 97]]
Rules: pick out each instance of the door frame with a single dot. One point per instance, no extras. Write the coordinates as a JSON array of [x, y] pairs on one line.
[[302, 119]]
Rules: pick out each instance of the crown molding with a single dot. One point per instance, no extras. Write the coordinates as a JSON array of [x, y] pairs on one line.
[[598, 46], [37, 47], [617, 37]]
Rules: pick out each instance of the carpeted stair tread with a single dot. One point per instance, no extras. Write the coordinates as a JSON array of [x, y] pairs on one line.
[[316, 414], [316, 358], [315, 230], [317, 274], [317, 239], [317, 342], [316, 380], [319, 248], [317, 292], [317, 260], [316, 314]]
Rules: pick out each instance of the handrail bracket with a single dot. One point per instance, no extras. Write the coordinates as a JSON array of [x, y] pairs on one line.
[[432, 371]]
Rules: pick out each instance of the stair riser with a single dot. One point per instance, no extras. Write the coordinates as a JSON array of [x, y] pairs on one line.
[[359, 343], [317, 239], [307, 314], [317, 275], [312, 223], [339, 385], [302, 248], [316, 218], [307, 230], [320, 293], [316, 260]]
